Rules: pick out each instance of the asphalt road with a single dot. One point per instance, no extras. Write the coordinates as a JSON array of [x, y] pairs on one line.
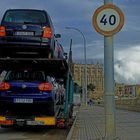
[[21, 133], [32, 133]]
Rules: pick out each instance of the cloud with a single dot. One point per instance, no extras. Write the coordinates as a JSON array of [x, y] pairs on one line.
[[127, 65]]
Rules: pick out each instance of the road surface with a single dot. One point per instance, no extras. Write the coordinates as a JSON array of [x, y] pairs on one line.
[[33, 134], [90, 125]]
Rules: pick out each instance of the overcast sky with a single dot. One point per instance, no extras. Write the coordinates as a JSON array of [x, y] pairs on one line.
[[78, 13]]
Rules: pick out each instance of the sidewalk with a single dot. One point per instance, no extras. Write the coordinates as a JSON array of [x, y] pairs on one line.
[[85, 125], [90, 125]]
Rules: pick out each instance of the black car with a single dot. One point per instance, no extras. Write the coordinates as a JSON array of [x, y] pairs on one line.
[[27, 32]]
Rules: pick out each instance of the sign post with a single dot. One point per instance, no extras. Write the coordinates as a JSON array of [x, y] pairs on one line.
[[108, 20]]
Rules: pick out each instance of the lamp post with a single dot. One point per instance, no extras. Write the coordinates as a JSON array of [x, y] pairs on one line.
[[85, 66]]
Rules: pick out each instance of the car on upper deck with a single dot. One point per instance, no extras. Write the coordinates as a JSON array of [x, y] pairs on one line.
[[27, 33]]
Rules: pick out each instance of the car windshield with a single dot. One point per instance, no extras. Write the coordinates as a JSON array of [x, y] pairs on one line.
[[22, 16], [25, 75]]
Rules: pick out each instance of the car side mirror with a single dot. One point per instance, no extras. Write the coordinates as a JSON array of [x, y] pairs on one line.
[[57, 35]]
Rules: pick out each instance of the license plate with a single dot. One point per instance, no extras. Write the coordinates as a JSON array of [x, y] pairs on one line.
[[25, 33], [35, 123], [18, 100], [20, 122]]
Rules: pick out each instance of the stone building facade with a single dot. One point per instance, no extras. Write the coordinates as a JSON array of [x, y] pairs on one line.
[[94, 77], [124, 90]]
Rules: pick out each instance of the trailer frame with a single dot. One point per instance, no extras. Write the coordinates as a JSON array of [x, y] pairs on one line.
[[59, 68]]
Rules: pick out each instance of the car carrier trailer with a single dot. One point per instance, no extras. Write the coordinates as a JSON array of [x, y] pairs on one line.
[[58, 68]]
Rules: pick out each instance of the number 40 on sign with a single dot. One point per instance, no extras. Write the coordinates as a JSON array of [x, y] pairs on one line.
[[108, 20]]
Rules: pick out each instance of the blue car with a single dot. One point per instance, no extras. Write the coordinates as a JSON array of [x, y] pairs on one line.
[[27, 92], [27, 33]]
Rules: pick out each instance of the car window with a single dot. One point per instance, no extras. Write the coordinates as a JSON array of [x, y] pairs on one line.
[[25, 76], [2, 75], [19, 16]]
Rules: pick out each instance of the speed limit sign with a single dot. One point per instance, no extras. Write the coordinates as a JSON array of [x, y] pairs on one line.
[[108, 20]]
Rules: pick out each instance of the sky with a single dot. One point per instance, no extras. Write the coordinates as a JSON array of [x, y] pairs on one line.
[[78, 14]]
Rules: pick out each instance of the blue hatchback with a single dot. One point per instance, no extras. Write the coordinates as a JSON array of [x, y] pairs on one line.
[[27, 90]]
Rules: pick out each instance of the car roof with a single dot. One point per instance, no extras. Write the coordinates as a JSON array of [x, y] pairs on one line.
[[26, 10], [37, 10]]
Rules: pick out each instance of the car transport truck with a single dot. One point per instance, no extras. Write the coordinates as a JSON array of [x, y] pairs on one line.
[[34, 89]]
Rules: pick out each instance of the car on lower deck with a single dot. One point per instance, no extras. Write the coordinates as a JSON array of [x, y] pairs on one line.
[[27, 33], [27, 92]]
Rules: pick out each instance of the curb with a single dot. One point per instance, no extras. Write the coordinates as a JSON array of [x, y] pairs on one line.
[[71, 130]]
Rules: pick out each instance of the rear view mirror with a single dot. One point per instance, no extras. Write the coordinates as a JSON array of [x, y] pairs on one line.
[[57, 35]]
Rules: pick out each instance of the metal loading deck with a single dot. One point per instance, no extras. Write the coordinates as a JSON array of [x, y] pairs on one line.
[[58, 68], [55, 67]]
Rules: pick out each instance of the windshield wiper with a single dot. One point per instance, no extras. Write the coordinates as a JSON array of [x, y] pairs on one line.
[[26, 22]]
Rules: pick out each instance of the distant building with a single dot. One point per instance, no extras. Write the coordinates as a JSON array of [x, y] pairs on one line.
[[119, 89], [122, 90], [137, 90], [94, 77], [129, 90]]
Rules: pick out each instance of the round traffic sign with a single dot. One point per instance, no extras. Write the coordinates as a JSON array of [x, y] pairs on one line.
[[108, 19]]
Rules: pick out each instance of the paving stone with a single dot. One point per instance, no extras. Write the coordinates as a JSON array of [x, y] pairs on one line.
[[90, 125]]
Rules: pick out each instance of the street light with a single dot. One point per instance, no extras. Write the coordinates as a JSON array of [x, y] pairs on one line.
[[85, 66]]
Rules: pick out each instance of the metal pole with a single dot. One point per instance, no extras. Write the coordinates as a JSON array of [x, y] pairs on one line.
[[85, 59], [67, 95], [108, 1], [110, 125], [83, 87]]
